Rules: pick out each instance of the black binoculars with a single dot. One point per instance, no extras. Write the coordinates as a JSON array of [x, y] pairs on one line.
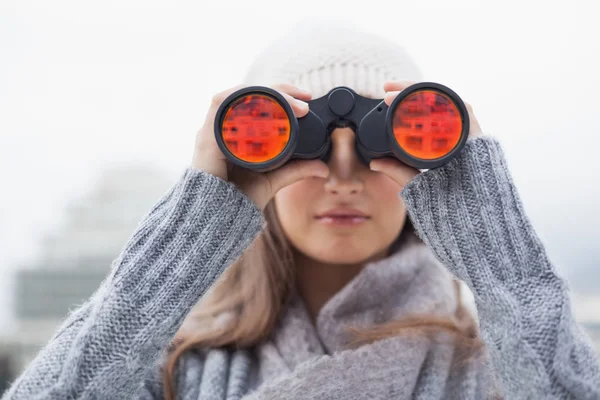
[[425, 126]]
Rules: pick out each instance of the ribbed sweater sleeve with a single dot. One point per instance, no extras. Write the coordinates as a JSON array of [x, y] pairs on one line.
[[470, 214], [108, 345]]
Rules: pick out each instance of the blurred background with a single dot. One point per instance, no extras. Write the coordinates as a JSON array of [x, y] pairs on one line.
[[100, 103]]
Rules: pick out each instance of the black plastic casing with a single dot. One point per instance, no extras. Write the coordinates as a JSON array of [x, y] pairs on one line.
[[371, 120]]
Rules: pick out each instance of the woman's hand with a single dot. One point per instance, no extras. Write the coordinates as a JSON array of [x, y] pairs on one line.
[[259, 187], [392, 167]]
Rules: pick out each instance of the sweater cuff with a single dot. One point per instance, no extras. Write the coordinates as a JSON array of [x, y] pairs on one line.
[[470, 214]]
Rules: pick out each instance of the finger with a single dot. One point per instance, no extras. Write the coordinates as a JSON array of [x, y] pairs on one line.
[[390, 96], [295, 96], [299, 107], [295, 171], [293, 91], [216, 101], [393, 88], [474, 127], [390, 86], [218, 98], [395, 169]]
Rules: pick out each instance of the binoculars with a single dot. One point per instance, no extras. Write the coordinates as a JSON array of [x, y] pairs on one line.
[[425, 126]]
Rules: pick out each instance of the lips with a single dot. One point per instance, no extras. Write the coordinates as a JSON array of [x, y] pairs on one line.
[[342, 216], [342, 212]]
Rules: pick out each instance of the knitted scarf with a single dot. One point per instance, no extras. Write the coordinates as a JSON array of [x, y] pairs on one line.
[[302, 360]]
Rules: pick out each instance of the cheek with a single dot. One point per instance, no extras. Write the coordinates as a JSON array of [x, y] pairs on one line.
[[389, 210], [385, 193], [293, 206]]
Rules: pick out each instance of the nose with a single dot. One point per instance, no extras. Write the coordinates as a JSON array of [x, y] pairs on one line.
[[344, 165]]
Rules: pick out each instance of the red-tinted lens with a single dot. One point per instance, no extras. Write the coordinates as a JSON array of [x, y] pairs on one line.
[[255, 128], [427, 124]]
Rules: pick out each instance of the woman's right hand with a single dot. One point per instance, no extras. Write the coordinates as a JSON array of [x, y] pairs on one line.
[[259, 187]]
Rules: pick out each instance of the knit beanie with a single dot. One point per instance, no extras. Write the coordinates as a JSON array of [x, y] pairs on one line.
[[319, 54]]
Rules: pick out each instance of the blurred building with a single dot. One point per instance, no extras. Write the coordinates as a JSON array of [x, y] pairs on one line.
[[586, 307], [75, 259], [6, 371], [593, 331]]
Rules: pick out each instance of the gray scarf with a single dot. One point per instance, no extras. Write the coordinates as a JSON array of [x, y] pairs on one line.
[[306, 361]]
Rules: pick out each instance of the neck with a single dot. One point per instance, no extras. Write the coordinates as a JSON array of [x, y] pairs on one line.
[[318, 281]]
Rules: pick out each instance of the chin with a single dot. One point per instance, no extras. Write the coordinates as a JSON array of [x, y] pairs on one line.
[[343, 255]]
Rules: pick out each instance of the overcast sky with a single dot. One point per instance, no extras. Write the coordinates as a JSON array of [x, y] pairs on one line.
[[85, 85]]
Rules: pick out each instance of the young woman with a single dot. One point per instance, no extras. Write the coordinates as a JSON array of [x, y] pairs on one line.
[[320, 281]]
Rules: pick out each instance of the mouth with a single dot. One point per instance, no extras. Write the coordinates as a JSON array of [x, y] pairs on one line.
[[342, 217]]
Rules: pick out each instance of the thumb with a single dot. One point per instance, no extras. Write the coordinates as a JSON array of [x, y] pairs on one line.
[[294, 171], [401, 173]]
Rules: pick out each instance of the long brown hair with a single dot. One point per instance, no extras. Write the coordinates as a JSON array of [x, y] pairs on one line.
[[242, 307]]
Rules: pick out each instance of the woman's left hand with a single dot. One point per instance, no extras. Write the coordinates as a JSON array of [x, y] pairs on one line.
[[392, 167]]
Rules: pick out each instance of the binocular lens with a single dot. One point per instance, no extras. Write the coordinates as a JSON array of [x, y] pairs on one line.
[[255, 128], [427, 124]]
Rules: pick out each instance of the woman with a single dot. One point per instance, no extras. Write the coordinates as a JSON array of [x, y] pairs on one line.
[[296, 256]]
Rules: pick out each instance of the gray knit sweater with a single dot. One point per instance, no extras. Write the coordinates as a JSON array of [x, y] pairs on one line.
[[467, 212]]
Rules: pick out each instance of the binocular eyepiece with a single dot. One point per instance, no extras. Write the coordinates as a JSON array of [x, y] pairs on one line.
[[425, 126]]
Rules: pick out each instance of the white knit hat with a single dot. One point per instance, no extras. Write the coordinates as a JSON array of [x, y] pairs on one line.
[[319, 54]]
